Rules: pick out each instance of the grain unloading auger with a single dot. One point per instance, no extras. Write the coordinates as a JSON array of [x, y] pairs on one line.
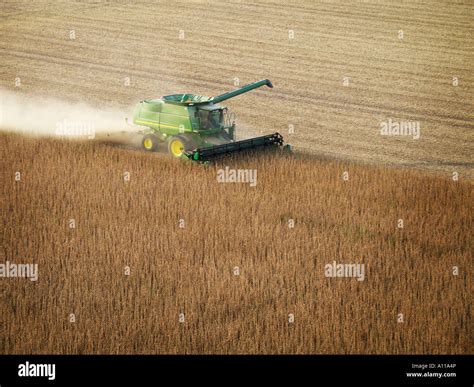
[[197, 127]]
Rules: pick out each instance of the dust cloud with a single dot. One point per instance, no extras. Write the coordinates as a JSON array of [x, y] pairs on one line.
[[39, 116]]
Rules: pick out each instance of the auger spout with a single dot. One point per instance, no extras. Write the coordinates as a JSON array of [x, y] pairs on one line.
[[243, 89]]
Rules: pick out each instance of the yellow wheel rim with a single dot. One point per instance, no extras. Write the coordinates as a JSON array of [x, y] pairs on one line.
[[147, 143], [177, 148]]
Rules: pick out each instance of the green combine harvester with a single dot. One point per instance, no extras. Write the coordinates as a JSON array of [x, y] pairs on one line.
[[196, 127]]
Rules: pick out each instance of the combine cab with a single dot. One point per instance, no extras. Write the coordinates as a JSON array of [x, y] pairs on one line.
[[196, 127]]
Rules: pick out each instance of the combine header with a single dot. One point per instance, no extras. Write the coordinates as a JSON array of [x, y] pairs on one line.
[[196, 127]]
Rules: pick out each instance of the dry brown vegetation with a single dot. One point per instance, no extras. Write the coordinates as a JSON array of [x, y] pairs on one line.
[[190, 270]]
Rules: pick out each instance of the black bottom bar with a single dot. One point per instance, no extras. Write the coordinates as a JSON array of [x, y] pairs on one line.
[[317, 370]]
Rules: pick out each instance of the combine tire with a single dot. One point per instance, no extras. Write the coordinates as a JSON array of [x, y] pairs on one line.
[[178, 145], [150, 143]]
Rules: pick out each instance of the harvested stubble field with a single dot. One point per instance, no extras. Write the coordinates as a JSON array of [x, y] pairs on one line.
[[408, 79], [190, 270]]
